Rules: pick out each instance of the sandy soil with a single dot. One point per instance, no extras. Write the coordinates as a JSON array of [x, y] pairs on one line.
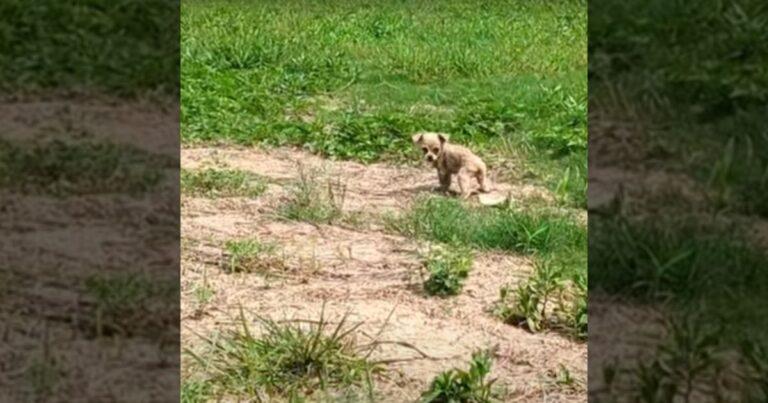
[[366, 273]]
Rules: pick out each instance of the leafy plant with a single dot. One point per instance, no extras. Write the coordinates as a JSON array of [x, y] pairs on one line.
[[534, 299], [447, 268], [461, 386]]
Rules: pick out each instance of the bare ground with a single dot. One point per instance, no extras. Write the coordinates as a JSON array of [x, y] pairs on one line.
[[365, 272]]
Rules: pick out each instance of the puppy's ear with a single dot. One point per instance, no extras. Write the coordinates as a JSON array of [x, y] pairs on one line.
[[443, 138], [417, 137]]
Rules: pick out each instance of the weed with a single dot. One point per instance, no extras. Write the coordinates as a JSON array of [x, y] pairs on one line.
[[447, 268], [250, 255], [564, 377], [287, 359], [532, 298], [222, 183], [203, 293], [756, 356], [129, 303], [43, 376], [315, 200], [62, 168], [194, 391], [457, 385]]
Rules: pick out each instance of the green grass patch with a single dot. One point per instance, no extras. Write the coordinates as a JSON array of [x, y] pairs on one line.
[[682, 258], [447, 269], [355, 82], [457, 385], [250, 256], [123, 47], [62, 168], [448, 220], [222, 183], [287, 360]]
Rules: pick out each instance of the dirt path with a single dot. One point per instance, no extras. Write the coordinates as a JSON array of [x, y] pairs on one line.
[[364, 272]]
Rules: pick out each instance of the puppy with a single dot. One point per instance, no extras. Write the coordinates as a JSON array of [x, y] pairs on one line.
[[451, 159]]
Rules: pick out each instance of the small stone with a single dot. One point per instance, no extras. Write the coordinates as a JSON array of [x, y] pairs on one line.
[[492, 198]]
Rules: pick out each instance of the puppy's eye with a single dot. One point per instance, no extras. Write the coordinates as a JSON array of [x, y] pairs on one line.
[[424, 149], [435, 150]]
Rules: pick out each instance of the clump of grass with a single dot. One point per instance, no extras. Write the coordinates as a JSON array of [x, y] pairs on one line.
[[287, 360], [130, 303], [448, 220], [458, 385], [681, 257], [447, 268], [222, 183], [63, 168], [314, 199], [250, 255]]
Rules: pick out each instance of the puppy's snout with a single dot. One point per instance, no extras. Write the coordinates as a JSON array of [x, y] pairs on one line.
[[430, 157]]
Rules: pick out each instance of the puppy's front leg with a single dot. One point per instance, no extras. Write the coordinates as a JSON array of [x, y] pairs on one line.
[[445, 180]]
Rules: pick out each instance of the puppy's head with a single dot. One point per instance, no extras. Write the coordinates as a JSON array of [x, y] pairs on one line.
[[430, 144]]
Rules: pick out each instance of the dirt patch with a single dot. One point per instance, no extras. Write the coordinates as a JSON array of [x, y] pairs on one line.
[[371, 275], [373, 188]]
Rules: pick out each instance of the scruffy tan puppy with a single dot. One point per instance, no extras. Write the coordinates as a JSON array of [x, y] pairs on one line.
[[452, 159]]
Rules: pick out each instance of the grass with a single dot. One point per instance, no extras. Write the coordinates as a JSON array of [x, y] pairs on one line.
[[447, 268], [448, 220], [314, 198], [681, 258], [458, 385], [130, 304], [702, 98], [42, 377], [194, 391], [693, 360], [222, 183], [286, 360], [548, 299], [249, 256], [354, 82], [557, 244], [698, 89], [124, 47], [61, 168]]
